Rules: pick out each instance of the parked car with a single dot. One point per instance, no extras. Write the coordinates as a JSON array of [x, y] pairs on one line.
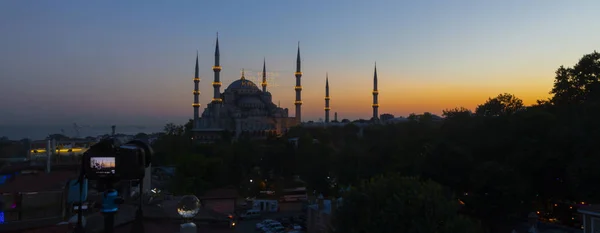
[[250, 214], [269, 228], [265, 222], [295, 227], [277, 229]]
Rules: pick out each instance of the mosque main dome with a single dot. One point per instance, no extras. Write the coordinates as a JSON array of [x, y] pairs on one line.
[[242, 84]]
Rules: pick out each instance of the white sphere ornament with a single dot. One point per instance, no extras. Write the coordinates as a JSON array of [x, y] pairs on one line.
[[188, 206]]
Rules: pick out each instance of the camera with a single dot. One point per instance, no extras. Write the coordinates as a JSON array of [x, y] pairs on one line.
[[109, 160]]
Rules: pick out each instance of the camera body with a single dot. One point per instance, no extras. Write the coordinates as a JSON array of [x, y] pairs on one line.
[[109, 160]]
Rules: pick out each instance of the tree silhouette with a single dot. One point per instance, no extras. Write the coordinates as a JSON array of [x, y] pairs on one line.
[[501, 105], [580, 83]]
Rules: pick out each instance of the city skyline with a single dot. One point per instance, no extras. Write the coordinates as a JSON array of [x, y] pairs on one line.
[[124, 63]]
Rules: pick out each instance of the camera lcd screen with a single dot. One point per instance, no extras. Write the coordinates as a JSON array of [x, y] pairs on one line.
[[103, 165]]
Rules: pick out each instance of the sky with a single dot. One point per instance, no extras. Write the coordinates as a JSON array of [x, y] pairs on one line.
[[132, 62]]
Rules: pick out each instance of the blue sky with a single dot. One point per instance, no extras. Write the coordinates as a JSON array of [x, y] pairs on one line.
[[126, 62]]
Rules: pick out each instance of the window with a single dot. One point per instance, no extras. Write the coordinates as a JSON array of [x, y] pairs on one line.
[[595, 225]]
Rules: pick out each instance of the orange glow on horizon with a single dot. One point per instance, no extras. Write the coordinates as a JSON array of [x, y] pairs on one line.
[[419, 99]]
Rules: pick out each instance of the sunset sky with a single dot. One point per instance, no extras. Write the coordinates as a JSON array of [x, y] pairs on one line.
[[132, 62]]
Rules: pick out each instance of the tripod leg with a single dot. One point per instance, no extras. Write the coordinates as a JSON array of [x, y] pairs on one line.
[[109, 222]]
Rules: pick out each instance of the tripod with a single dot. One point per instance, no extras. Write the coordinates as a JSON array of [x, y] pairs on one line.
[[110, 206]]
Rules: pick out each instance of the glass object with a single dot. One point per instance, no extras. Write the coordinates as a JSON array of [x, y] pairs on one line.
[[188, 206]]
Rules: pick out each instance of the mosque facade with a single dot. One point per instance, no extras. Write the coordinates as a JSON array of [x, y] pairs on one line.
[[243, 108]]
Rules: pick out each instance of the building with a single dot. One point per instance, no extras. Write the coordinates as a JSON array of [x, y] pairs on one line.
[[319, 215], [265, 205], [32, 197], [222, 201], [243, 109], [591, 218]]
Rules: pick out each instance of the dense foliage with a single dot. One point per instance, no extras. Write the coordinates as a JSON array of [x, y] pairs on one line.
[[387, 204], [502, 159]]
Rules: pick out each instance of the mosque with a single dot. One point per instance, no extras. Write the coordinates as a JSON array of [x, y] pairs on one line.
[[244, 109]]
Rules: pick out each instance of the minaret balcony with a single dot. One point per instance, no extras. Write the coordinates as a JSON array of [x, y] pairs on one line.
[[195, 105], [327, 98], [216, 84], [375, 105], [196, 79], [264, 84], [375, 92], [298, 88], [216, 68], [298, 102], [196, 92], [298, 73], [327, 108]]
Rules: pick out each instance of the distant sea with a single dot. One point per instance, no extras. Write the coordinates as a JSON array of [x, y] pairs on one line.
[[18, 132]]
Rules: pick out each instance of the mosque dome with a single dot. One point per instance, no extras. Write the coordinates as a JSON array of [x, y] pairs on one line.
[[242, 84]]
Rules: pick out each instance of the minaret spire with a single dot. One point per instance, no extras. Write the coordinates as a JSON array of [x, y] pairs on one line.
[[217, 54], [327, 98], [298, 59], [298, 88], [197, 70], [264, 76], [375, 96], [196, 93], [216, 101]]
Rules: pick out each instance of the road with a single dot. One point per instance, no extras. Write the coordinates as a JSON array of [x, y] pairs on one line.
[[249, 225]]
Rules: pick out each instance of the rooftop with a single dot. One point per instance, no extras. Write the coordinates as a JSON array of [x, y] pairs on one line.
[[589, 209], [223, 193], [41, 181]]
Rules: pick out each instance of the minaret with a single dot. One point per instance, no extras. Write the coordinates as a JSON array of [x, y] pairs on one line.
[[375, 95], [216, 101], [196, 92], [327, 98], [335, 116], [264, 76], [298, 88]]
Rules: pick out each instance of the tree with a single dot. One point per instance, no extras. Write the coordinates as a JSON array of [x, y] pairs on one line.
[[413, 117], [141, 136], [502, 105], [457, 112], [191, 175], [580, 83], [58, 137], [173, 143], [173, 129], [400, 204]]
